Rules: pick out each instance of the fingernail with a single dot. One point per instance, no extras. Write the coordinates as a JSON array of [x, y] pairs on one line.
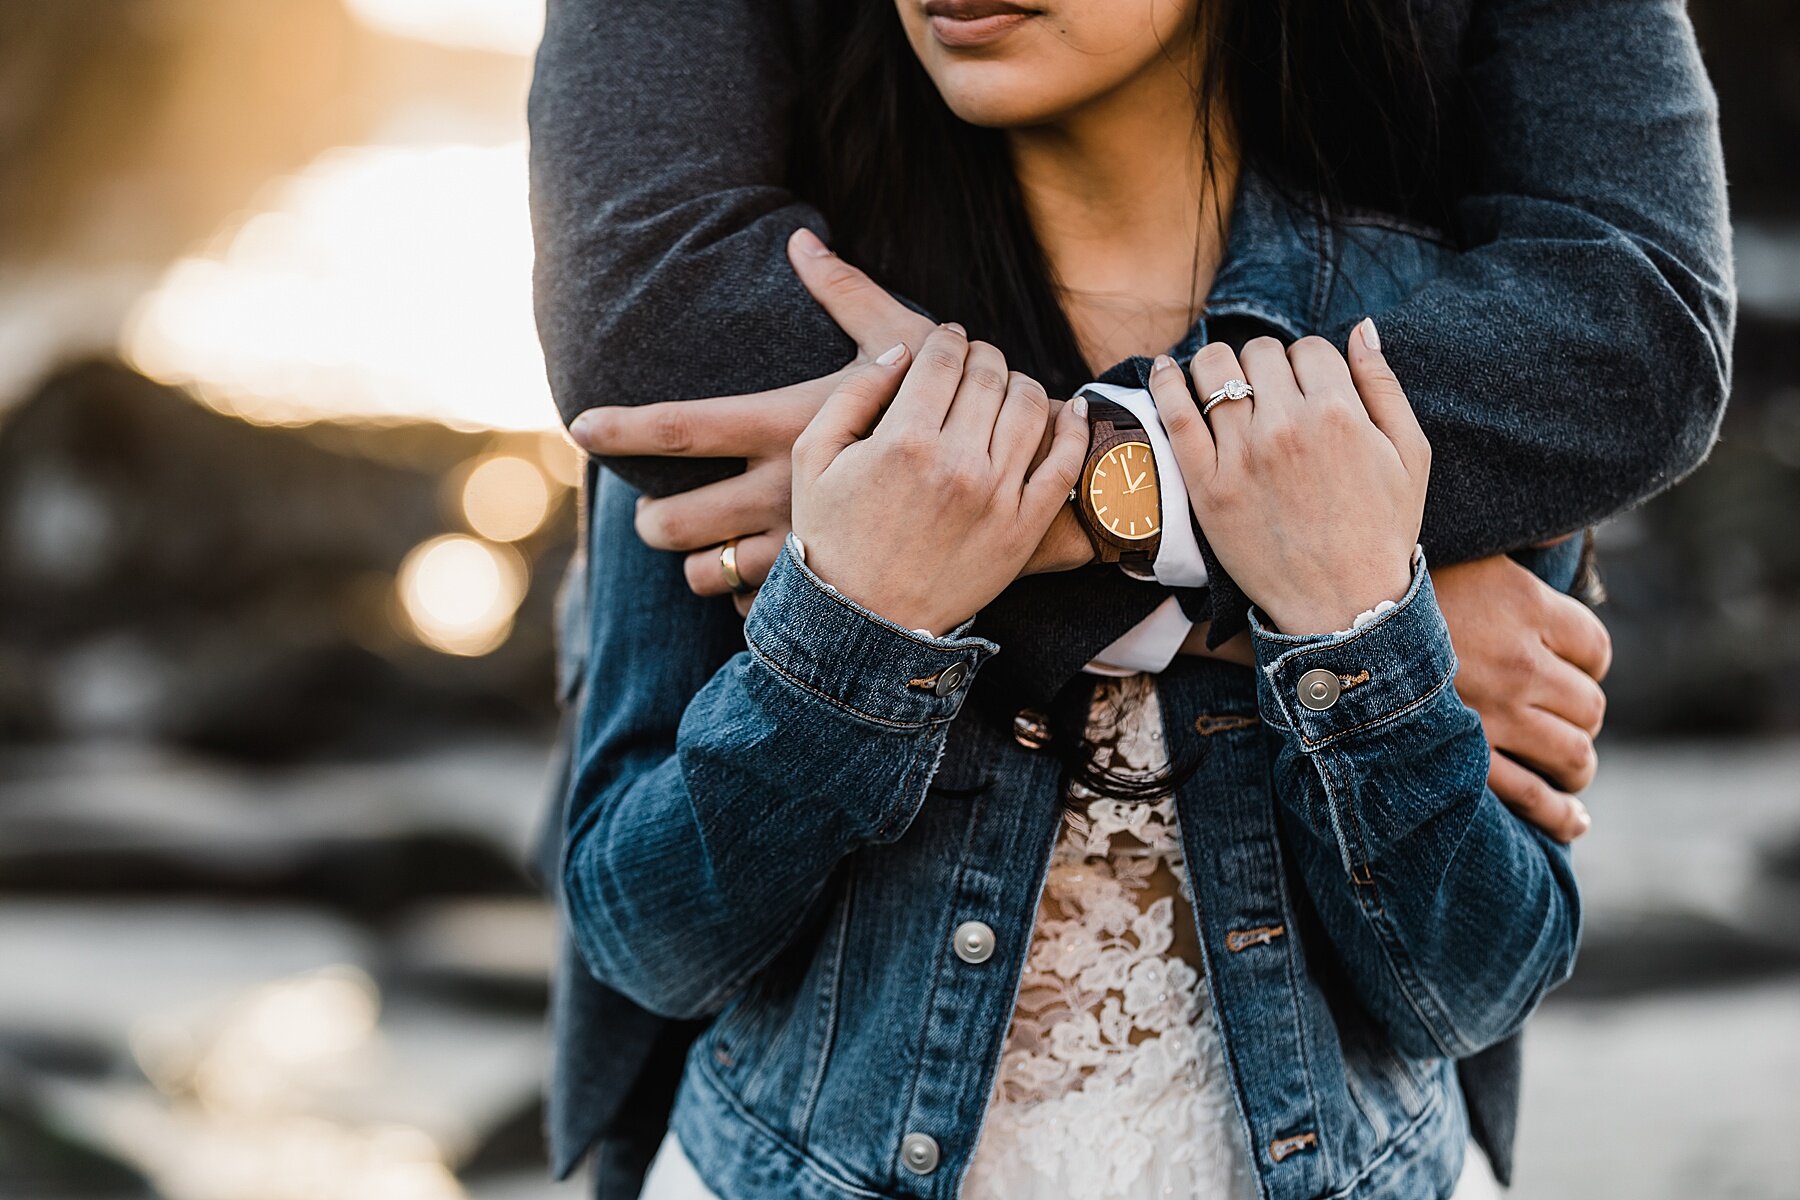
[[1163, 363], [1079, 404], [1582, 818], [582, 425], [891, 355], [809, 242], [1370, 338], [953, 327]]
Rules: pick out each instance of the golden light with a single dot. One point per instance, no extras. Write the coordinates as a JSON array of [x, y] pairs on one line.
[[505, 26], [505, 498], [382, 282], [459, 593]]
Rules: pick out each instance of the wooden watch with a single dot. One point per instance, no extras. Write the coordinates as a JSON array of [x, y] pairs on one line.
[[1118, 500]]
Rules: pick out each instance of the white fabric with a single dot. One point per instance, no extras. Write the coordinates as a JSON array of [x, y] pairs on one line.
[[1152, 643], [1178, 562], [672, 1176]]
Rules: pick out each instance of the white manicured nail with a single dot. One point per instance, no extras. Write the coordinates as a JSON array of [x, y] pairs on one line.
[[1163, 363], [1370, 338], [1080, 406], [891, 355]]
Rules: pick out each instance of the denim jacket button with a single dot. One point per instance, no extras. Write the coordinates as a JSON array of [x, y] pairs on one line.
[[919, 1153], [1319, 689], [974, 941], [951, 678]]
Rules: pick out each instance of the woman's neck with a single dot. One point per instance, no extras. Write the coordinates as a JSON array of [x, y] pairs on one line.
[[1129, 213]]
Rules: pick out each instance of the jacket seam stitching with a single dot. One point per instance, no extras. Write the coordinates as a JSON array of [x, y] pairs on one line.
[[765, 1129], [1419, 997], [1392, 1147], [762, 656], [834, 997], [937, 958], [1383, 718]]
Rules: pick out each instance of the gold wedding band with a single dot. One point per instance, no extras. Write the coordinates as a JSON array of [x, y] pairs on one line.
[[728, 565]]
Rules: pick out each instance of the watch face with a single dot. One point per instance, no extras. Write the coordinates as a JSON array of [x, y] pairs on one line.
[[1122, 493]]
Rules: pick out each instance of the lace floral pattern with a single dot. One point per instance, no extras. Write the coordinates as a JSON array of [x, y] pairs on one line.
[[1112, 1084]]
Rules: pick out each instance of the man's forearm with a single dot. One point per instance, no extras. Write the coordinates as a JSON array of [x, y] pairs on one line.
[[659, 163], [1575, 358]]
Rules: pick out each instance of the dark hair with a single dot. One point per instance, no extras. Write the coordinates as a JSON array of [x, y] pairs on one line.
[[1325, 98]]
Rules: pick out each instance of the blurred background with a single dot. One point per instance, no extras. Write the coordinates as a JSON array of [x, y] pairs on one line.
[[283, 505]]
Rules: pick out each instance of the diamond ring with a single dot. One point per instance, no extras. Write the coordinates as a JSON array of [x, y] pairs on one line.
[[1234, 389]]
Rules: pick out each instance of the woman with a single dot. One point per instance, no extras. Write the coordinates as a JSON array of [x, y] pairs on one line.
[[783, 859]]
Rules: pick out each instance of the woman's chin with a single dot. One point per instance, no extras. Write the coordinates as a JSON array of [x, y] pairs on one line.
[[996, 98]]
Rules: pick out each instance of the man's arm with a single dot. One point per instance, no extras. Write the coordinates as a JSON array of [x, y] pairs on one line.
[[1575, 359], [659, 162]]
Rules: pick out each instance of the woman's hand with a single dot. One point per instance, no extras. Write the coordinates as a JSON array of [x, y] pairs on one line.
[[913, 489], [1310, 492], [761, 428]]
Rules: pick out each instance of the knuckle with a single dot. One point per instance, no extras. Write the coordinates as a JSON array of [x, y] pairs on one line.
[[1285, 438], [843, 277], [1263, 345], [940, 359], [671, 432], [1312, 346], [1023, 387], [987, 378]]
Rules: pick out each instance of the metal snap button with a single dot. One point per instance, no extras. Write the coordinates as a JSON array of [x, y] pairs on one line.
[[951, 678], [919, 1153], [1319, 689], [974, 941], [1031, 729]]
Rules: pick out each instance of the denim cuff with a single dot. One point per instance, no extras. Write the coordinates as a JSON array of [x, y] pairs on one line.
[[820, 640], [1327, 686]]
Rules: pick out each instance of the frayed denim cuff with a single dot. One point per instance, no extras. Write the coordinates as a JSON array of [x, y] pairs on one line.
[[1327, 686], [818, 639]]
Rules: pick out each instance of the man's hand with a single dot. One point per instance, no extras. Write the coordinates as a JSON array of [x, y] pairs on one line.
[[1531, 660]]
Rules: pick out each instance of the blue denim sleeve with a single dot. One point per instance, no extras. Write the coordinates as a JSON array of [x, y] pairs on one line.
[[1453, 917], [1575, 358], [711, 802]]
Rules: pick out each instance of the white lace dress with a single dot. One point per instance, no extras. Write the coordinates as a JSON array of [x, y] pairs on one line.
[[1112, 1085]]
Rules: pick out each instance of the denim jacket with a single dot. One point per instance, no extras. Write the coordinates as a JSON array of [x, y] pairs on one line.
[[774, 825]]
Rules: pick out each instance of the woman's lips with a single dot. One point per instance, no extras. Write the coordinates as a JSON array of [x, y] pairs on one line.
[[960, 23]]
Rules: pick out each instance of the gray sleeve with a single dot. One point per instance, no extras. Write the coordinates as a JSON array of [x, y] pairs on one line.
[[660, 137], [1576, 358]]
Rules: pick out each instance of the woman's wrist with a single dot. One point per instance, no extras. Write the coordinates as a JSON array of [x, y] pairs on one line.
[[1337, 610]]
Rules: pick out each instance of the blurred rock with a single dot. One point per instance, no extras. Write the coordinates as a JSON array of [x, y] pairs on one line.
[[495, 951], [365, 839], [169, 573]]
